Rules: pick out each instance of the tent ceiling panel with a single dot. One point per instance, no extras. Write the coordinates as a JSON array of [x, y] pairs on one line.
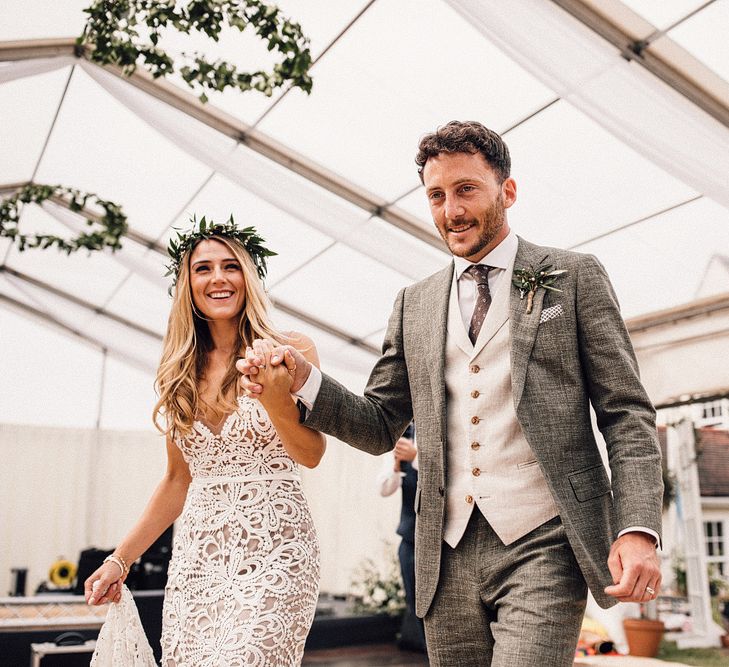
[[585, 181], [371, 101], [376, 338], [27, 109], [28, 387], [395, 248], [295, 242], [346, 288], [40, 19], [136, 302], [92, 276], [141, 351], [47, 301], [131, 388], [321, 21], [143, 171], [698, 36], [289, 192], [136, 257], [13, 289], [667, 256], [663, 14], [51, 309], [416, 203]]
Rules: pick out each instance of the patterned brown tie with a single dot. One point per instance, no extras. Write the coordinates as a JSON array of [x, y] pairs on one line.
[[480, 273]]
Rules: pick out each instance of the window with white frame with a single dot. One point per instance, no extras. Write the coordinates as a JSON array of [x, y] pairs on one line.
[[716, 546], [713, 413]]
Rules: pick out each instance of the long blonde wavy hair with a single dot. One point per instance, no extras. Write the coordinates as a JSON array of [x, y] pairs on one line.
[[187, 343]]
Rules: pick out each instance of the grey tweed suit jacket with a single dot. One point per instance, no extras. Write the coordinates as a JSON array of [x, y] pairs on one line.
[[577, 354]]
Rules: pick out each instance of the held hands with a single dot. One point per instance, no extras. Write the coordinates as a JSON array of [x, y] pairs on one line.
[[262, 367], [104, 585], [633, 563], [404, 451]]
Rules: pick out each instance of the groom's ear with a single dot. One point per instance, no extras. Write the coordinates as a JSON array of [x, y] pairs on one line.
[[508, 192]]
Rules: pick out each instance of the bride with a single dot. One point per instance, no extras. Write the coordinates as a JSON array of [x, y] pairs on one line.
[[244, 575]]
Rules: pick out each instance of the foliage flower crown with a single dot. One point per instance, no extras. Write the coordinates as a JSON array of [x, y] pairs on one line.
[[206, 229]]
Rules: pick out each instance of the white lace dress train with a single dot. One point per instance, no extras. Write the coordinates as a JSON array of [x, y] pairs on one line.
[[243, 580]]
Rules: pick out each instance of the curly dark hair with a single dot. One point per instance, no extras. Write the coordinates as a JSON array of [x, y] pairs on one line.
[[465, 137]]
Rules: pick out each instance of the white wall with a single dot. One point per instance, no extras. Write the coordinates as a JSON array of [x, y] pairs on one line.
[[63, 490], [687, 356]]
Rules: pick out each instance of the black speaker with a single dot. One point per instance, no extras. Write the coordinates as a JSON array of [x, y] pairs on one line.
[[150, 572]]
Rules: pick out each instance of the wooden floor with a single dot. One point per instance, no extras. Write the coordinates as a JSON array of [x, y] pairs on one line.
[[360, 656]]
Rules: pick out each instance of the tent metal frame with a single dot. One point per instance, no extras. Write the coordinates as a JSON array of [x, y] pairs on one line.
[[638, 51]]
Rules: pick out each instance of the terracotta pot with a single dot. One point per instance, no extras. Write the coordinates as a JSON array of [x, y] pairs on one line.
[[725, 640], [643, 636]]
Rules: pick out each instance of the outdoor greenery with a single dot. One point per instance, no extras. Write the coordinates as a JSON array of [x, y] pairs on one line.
[[109, 227], [127, 33], [703, 657]]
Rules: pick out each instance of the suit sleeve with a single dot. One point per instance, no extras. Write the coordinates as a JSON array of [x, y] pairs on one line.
[[375, 421], [625, 414]]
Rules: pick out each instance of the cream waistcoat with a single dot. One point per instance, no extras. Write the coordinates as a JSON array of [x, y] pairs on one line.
[[489, 462]]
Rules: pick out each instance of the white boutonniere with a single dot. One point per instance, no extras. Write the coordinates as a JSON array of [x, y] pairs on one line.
[[528, 281]]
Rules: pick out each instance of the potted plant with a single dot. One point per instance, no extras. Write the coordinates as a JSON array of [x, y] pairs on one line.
[[644, 634]]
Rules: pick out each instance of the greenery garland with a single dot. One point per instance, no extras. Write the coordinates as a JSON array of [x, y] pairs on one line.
[[112, 31], [113, 224]]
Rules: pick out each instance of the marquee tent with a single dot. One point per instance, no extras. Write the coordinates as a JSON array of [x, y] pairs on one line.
[[616, 114]]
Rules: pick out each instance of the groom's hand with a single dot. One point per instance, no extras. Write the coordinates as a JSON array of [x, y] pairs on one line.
[[296, 364], [634, 565]]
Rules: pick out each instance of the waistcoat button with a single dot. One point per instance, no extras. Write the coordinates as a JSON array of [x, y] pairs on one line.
[[475, 445], [475, 420], [475, 368], [475, 393], [469, 499], [476, 472]]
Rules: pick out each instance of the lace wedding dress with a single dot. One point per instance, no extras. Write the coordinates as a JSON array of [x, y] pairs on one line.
[[244, 575]]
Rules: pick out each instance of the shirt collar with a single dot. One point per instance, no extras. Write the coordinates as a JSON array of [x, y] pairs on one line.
[[500, 257]]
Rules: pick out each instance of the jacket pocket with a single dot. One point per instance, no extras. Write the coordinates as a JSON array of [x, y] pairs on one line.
[[527, 464], [590, 483], [416, 504]]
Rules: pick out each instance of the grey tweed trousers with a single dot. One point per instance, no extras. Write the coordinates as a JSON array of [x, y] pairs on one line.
[[519, 605]]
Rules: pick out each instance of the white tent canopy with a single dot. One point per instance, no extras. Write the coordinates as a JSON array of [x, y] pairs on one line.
[[616, 115], [609, 158]]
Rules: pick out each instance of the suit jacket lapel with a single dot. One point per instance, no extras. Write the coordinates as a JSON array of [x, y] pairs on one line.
[[524, 327], [456, 328], [435, 318]]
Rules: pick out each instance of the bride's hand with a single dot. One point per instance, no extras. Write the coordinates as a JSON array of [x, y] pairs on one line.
[[104, 585], [276, 380]]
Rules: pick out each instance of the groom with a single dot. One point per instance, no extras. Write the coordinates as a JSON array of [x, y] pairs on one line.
[[516, 514]]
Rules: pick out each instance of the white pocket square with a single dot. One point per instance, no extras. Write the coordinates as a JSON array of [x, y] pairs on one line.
[[551, 312]]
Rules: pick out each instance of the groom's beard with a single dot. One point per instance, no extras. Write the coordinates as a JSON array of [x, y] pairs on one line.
[[489, 224]]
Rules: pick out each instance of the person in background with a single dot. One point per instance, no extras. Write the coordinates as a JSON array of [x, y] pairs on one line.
[[403, 474]]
